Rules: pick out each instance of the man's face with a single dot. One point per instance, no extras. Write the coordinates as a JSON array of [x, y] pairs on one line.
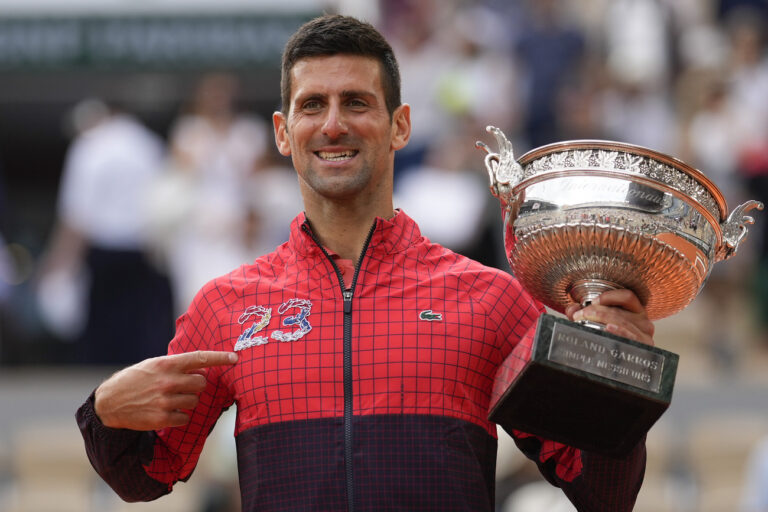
[[338, 130]]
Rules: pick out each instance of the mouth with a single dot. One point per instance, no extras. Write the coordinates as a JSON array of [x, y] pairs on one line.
[[336, 156]]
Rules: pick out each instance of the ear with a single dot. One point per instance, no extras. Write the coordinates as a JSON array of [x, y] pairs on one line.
[[401, 126], [281, 133]]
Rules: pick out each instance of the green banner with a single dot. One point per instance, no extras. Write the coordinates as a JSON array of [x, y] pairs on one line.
[[142, 42]]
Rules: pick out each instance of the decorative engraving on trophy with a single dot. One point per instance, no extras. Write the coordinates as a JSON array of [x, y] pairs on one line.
[[605, 357], [558, 160], [589, 160], [656, 170], [581, 159], [606, 159]]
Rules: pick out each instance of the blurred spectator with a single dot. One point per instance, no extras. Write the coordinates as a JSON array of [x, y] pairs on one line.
[[748, 84], [714, 143], [414, 28], [748, 74], [638, 114], [445, 197], [703, 56], [273, 199], [636, 107], [550, 49], [96, 267], [455, 69], [200, 208], [712, 146], [637, 42], [477, 85]]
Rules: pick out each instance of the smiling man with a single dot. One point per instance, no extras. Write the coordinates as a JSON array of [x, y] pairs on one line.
[[338, 128], [360, 355]]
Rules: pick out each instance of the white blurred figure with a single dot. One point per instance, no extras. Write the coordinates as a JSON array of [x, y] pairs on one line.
[[444, 196], [637, 109], [636, 40], [95, 276], [273, 199], [201, 207]]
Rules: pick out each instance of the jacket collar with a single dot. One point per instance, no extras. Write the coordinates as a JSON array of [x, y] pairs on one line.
[[389, 235]]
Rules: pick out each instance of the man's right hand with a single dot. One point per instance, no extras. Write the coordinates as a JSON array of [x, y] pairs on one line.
[[155, 393]]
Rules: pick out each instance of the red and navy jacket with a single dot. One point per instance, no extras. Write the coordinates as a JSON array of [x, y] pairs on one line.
[[364, 396]]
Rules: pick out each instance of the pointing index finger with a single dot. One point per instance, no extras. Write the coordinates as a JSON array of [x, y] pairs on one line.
[[203, 359]]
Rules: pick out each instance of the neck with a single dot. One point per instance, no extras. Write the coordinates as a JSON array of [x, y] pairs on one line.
[[344, 230]]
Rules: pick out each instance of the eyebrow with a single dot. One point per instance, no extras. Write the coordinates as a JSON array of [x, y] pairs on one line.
[[356, 93], [352, 93]]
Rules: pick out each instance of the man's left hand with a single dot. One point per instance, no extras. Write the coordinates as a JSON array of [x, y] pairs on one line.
[[620, 311]]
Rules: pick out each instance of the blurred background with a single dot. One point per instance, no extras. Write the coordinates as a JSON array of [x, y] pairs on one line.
[[137, 162]]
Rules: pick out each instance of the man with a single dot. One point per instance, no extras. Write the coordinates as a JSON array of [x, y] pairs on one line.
[[360, 355]]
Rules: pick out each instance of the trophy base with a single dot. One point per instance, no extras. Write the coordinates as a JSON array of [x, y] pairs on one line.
[[588, 389]]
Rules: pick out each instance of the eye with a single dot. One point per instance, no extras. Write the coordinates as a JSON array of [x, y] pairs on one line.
[[311, 105], [357, 103]]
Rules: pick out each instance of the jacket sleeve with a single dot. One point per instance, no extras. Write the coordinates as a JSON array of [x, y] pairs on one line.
[[142, 466], [119, 456], [592, 482]]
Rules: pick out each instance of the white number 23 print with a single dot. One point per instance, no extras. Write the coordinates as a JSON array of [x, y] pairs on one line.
[[263, 315]]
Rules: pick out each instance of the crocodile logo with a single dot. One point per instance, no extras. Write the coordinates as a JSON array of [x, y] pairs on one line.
[[428, 315]]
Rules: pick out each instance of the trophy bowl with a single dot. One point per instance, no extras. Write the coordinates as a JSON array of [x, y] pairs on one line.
[[585, 216]]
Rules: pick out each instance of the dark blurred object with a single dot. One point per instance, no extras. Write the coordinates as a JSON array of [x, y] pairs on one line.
[[726, 7]]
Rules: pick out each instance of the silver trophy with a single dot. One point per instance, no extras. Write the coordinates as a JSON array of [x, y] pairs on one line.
[[582, 217]]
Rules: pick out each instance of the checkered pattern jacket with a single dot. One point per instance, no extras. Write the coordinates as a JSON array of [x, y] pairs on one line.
[[364, 396]]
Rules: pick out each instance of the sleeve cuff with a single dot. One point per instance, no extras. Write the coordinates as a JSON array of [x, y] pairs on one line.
[[87, 418]]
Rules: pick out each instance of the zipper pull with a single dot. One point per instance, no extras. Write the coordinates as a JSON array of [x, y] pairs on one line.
[[347, 301]]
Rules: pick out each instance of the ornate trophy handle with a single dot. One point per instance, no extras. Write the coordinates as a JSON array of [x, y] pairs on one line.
[[503, 170], [735, 228]]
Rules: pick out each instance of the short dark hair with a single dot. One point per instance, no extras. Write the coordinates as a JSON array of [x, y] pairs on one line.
[[335, 34]]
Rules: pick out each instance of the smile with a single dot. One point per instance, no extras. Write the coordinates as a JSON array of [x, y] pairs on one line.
[[336, 156]]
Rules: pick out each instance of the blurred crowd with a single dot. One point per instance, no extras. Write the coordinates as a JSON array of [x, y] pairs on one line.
[[143, 219]]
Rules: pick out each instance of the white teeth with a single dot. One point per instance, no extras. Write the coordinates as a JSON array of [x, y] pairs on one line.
[[335, 157]]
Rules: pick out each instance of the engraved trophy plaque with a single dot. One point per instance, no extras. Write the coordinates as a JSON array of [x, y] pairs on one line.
[[582, 217]]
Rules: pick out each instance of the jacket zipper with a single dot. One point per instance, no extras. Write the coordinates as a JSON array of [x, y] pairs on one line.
[[347, 294]]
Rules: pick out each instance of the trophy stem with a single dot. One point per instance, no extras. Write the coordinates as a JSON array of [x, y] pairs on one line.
[[584, 291]]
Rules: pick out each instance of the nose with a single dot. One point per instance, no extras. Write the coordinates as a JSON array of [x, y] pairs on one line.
[[335, 125]]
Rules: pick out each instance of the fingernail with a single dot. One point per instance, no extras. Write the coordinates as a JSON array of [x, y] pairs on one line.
[[232, 357]]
